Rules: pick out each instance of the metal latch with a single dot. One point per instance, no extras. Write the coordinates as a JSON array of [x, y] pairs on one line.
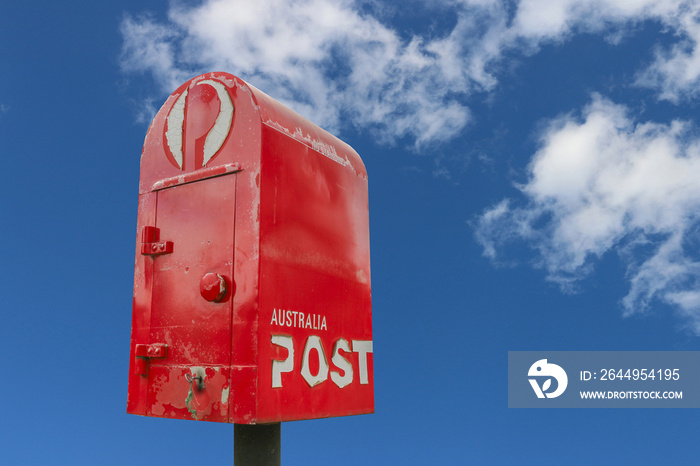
[[144, 353], [151, 245]]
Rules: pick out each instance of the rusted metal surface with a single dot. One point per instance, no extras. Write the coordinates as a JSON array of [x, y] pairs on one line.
[[252, 263]]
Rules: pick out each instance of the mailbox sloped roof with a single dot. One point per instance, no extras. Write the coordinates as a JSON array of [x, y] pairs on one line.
[[176, 142]]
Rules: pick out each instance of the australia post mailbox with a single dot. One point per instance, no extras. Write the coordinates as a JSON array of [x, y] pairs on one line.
[[252, 278]]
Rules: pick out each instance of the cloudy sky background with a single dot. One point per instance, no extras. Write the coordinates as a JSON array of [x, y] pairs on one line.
[[534, 171], [604, 176]]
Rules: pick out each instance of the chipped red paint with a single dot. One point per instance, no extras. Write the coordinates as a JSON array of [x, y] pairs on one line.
[[256, 255], [213, 287]]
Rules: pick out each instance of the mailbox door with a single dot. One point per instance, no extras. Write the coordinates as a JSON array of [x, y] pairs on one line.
[[192, 381]]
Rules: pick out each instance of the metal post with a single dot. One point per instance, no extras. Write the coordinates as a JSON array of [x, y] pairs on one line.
[[255, 445]]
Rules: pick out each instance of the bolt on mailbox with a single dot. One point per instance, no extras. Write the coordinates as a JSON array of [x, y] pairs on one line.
[[252, 297]]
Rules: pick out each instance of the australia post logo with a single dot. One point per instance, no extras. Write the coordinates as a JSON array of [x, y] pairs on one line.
[[315, 368], [198, 124], [540, 376]]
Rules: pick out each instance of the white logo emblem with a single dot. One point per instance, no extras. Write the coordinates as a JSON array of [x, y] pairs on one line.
[[542, 369], [216, 136]]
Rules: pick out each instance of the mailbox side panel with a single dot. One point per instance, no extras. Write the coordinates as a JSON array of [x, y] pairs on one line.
[[315, 295], [141, 313]]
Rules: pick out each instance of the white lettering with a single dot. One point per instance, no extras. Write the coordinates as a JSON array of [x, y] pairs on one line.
[[314, 342], [289, 318], [342, 364], [362, 347], [282, 366]]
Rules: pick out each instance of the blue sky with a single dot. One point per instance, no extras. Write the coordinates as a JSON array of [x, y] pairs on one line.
[[534, 175]]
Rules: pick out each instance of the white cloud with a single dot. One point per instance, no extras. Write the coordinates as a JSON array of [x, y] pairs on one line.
[[676, 71], [322, 58], [148, 46], [599, 183], [602, 183], [337, 65], [544, 19]]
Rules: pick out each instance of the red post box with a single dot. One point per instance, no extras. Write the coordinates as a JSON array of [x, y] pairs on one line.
[[252, 297]]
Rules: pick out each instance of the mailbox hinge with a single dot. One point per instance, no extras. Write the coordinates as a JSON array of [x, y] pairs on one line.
[[144, 353], [151, 244]]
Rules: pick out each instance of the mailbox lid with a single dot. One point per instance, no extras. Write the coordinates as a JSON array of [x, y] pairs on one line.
[[236, 111], [212, 120], [276, 116]]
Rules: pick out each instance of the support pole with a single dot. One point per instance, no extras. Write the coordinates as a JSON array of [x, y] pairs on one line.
[[257, 445]]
